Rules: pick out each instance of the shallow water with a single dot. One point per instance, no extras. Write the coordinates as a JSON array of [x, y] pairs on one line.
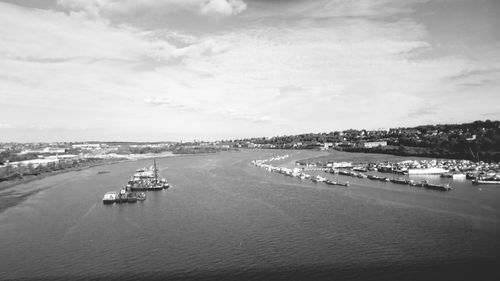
[[224, 219]]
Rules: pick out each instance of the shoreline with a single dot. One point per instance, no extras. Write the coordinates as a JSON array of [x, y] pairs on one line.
[[30, 178], [9, 197]]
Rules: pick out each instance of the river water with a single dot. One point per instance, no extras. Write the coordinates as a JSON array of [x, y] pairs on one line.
[[224, 219]]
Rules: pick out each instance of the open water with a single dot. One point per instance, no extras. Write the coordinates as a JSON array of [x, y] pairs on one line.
[[224, 219]]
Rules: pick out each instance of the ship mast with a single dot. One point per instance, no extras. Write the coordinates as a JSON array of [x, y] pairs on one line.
[[156, 171]]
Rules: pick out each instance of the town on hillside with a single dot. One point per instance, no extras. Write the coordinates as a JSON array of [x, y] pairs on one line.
[[477, 141]]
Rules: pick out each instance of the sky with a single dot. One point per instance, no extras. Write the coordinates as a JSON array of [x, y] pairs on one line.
[[171, 70]]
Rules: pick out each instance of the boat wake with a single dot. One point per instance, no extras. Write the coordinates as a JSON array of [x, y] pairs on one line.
[[72, 228]]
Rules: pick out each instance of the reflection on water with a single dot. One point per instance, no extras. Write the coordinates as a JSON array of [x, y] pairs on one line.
[[226, 219]]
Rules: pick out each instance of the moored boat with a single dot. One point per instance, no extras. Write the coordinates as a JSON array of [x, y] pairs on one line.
[[471, 176], [122, 196], [330, 182], [418, 183], [318, 179], [360, 169], [109, 197], [441, 187], [481, 180], [400, 181], [147, 179], [141, 196], [361, 175], [132, 197]]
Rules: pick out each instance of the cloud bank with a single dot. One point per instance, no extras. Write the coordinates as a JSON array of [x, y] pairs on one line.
[[269, 68]]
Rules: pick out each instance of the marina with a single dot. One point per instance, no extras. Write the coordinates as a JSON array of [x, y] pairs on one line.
[[355, 172], [296, 172]]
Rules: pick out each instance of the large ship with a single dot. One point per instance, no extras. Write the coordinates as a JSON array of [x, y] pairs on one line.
[[147, 179]]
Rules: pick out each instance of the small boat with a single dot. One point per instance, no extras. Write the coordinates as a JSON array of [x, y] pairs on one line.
[[109, 197], [141, 196], [418, 183], [318, 179], [360, 169], [343, 184], [345, 173], [446, 175], [330, 182], [102, 172], [471, 176]]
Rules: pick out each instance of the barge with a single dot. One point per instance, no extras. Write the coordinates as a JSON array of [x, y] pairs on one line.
[[109, 197]]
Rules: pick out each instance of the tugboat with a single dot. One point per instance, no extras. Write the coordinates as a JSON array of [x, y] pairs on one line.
[[132, 197], [109, 197], [122, 196]]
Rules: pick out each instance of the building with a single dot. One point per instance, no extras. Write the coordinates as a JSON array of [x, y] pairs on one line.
[[373, 144], [337, 165], [87, 146], [327, 145], [46, 150]]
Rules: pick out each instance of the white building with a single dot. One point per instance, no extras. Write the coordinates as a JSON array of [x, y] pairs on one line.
[[372, 144], [327, 145]]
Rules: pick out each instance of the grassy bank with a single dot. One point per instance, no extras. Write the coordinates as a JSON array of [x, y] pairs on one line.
[[21, 178]]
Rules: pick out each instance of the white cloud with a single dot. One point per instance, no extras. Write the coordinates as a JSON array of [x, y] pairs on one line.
[[59, 36], [223, 7], [96, 8]]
